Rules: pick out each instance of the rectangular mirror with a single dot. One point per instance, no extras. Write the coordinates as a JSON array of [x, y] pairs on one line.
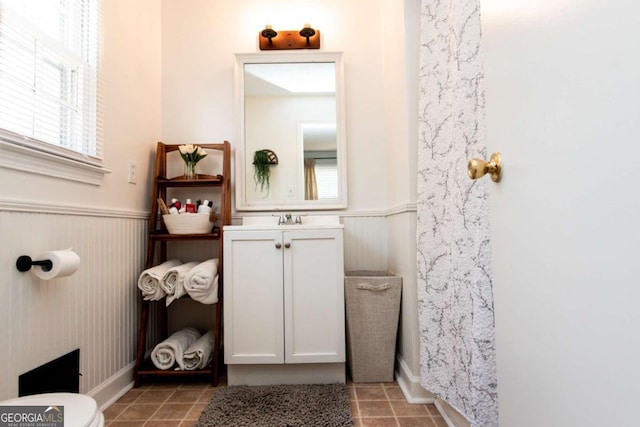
[[290, 111]]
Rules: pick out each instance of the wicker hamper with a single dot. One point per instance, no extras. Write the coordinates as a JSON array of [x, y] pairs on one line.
[[372, 300]]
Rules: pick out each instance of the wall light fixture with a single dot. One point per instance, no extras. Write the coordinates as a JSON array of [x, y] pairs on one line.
[[306, 38], [269, 33]]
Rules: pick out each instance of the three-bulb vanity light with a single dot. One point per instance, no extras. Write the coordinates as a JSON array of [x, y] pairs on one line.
[[306, 38]]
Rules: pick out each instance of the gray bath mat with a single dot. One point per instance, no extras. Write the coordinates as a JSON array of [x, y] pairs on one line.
[[308, 405]]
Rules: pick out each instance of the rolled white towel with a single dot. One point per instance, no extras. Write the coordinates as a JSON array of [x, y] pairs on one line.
[[149, 280], [201, 282], [199, 354], [173, 281], [171, 351]]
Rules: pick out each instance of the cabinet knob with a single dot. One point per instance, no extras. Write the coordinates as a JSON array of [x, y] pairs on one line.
[[278, 245], [287, 245]]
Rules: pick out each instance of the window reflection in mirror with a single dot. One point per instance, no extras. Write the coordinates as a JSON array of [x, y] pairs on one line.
[[292, 108], [320, 161]]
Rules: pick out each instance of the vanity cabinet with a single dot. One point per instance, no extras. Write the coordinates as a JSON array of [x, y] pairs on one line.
[[284, 295]]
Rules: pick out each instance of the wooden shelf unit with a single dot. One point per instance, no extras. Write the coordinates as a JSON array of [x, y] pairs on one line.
[[158, 236]]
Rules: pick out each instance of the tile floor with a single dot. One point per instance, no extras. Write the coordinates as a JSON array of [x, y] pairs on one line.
[[384, 405], [179, 404]]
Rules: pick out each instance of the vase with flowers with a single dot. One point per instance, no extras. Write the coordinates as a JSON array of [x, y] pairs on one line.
[[191, 154]]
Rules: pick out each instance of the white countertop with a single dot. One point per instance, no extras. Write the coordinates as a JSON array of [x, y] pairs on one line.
[[270, 222], [281, 227]]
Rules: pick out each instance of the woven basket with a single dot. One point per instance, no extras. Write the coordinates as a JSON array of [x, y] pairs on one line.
[[188, 223], [372, 300]]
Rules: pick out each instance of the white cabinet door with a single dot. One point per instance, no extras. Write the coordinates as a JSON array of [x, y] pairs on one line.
[[253, 299], [284, 296], [314, 296]]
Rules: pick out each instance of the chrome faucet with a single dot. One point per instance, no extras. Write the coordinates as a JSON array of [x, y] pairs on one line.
[[289, 220]]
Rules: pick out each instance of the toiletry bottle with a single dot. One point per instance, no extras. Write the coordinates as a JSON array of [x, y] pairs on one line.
[[175, 203], [204, 207], [190, 207]]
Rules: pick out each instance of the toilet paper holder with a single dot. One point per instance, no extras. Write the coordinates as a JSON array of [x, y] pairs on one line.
[[24, 263]]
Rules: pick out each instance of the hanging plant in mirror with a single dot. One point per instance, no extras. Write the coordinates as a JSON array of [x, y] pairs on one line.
[[262, 162]]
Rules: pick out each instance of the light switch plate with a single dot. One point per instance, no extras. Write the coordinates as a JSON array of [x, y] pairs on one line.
[[132, 175]]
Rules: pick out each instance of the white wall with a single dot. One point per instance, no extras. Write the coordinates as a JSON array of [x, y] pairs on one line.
[[200, 37], [400, 82], [94, 309], [400, 49]]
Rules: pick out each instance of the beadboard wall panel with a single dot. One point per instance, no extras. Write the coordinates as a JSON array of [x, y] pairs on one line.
[[365, 242], [96, 309]]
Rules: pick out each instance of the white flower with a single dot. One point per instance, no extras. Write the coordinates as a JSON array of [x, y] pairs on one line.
[[187, 149], [191, 153]]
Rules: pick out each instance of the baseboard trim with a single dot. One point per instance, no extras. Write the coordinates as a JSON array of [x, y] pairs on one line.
[[114, 387], [295, 373], [410, 384], [445, 415]]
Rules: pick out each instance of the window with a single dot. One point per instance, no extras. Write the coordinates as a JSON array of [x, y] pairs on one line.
[[327, 178], [49, 97]]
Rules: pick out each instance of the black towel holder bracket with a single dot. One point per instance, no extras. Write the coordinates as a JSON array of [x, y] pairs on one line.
[[24, 263]]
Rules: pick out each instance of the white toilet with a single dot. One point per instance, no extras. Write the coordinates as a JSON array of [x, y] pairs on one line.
[[79, 410]]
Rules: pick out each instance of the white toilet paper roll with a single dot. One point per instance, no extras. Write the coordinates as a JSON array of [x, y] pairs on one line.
[[65, 263]]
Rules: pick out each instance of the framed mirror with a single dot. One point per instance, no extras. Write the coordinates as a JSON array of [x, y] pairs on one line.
[[290, 114]]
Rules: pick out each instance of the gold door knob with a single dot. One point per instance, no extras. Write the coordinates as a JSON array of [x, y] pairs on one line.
[[478, 168]]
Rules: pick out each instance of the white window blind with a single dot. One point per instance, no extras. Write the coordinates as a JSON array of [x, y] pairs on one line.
[[49, 87], [327, 178]]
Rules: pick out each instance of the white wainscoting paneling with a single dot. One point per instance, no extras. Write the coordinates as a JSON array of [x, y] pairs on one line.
[[365, 242], [95, 309]]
